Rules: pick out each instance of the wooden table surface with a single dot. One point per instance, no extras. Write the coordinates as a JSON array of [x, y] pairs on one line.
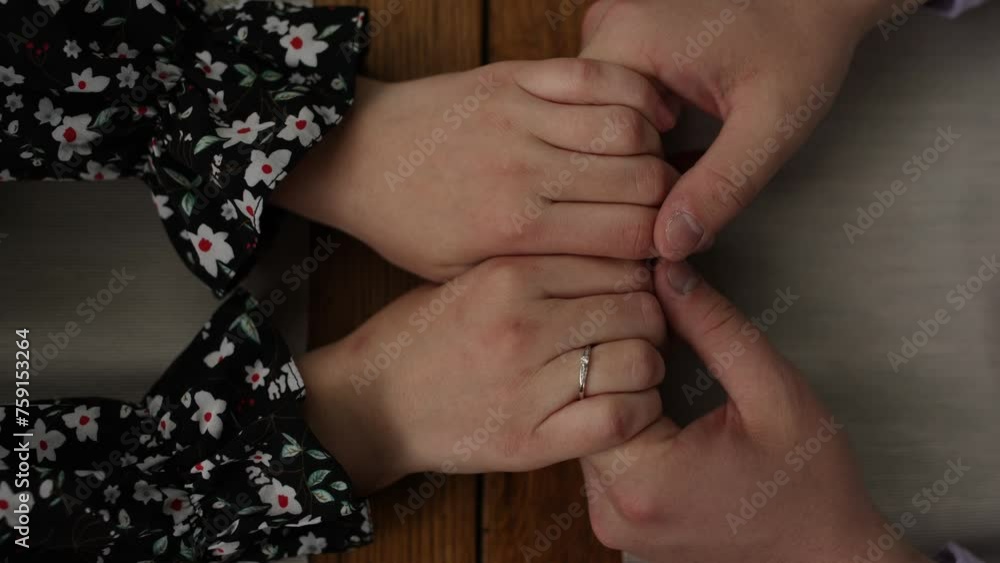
[[468, 519]]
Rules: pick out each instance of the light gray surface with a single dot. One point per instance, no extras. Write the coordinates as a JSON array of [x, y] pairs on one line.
[[857, 301]]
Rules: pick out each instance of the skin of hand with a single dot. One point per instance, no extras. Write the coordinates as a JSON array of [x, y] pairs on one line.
[[769, 69], [481, 374], [772, 446], [515, 158]]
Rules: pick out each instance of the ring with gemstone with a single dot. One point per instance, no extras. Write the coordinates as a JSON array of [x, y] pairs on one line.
[[584, 371]]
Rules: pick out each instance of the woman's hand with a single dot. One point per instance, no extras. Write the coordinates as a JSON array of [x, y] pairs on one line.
[[769, 476], [481, 374], [515, 158], [768, 68]]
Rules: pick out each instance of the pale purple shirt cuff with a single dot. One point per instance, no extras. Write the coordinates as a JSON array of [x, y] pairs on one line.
[[954, 8], [954, 553]]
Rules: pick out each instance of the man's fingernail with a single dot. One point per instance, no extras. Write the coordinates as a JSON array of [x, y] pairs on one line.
[[684, 233], [682, 277]]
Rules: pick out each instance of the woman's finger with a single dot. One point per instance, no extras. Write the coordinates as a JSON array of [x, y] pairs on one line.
[[636, 180], [593, 82], [570, 277], [597, 424], [575, 323], [622, 366], [606, 130], [589, 229]]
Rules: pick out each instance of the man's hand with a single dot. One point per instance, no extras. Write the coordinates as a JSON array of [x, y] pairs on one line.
[[768, 68], [768, 477]]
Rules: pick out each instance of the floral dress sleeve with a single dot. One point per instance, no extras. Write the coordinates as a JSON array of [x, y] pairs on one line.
[[215, 464], [211, 110]]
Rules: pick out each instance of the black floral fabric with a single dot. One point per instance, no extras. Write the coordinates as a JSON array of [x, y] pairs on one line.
[[212, 108], [215, 464], [212, 111]]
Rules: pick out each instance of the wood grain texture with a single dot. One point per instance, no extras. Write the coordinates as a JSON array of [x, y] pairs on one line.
[[421, 39], [518, 508]]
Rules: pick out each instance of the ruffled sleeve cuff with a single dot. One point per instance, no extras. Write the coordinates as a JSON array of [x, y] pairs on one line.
[[213, 111], [215, 464]]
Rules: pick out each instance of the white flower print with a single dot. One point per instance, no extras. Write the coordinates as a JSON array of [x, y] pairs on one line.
[[45, 490], [71, 49], [151, 461], [181, 529], [46, 442], [156, 5], [127, 76], [98, 172], [229, 211], [153, 404], [161, 206], [111, 494], [5, 175], [8, 503], [47, 113], [300, 127], [261, 458], [301, 47], [311, 545], [243, 131], [87, 82], [212, 70], [13, 127], [329, 115], [177, 504], [204, 468], [280, 497], [10, 77], [144, 492], [209, 411], [166, 426], [14, 102], [216, 101], [74, 137], [84, 420], [223, 548], [123, 52], [297, 78], [292, 376], [212, 248], [214, 358], [276, 25], [305, 521], [167, 74], [338, 83], [256, 374], [267, 168]]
